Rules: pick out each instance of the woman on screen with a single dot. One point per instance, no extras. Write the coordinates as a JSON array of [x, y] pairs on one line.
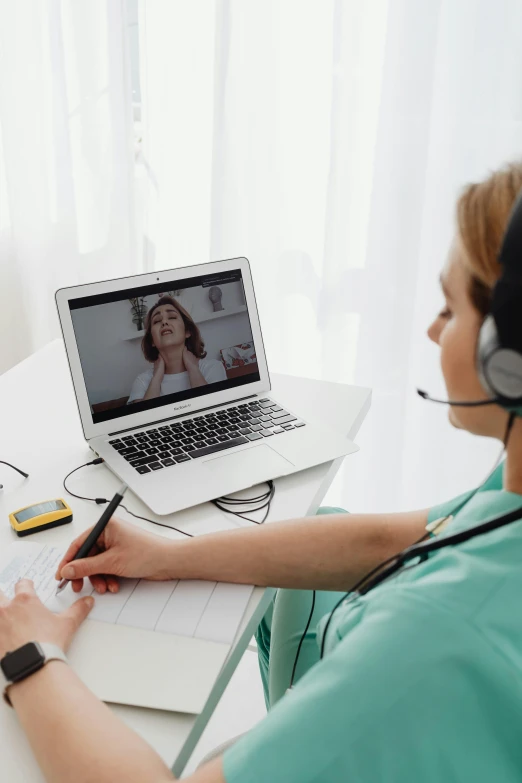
[[173, 345]]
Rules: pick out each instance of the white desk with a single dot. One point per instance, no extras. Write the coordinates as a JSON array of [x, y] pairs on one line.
[[40, 433]]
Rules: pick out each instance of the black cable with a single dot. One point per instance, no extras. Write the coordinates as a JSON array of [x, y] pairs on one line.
[[355, 590], [22, 473], [238, 501], [509, 426], [161, 524], [101, 501], [301, 640], [265, 499]]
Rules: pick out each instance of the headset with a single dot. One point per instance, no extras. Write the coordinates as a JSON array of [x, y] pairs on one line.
[[499, 354], [499, 367], [499, 345]]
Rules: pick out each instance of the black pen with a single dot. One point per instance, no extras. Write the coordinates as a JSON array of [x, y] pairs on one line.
[[96, 531]]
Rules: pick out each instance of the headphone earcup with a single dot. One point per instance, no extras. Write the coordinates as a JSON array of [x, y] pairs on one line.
[[499, 369], [487, 345]]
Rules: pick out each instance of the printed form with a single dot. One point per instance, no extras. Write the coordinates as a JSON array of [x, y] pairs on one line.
[[203, 610]]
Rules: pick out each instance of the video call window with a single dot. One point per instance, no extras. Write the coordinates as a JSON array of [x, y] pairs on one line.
[[143, 348]]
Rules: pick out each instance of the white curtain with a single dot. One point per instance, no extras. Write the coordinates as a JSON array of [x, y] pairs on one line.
[[66, 159], [327, 140]]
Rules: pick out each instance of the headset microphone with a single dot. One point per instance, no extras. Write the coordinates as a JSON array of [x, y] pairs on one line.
[[464, 404], [499, 348]]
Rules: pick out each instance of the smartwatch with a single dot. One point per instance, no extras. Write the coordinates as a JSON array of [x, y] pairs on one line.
[[26, 660]]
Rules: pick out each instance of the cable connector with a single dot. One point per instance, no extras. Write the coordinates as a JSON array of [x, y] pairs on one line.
[[98, 461], [100, 501], [438, 525]]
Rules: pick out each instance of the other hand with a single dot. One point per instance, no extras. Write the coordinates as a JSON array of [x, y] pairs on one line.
[[121, 550], [25, 619], [189, 360], [159, 367]]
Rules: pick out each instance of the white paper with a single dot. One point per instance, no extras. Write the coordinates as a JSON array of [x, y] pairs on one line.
[[145, 604], [31, 561], [204, 610], [219, 620], [185, 607]]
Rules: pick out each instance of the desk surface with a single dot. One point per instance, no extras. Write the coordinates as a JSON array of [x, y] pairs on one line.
[[41, 434]]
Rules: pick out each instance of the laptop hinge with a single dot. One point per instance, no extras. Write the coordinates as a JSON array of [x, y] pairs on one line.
[[179, 416]]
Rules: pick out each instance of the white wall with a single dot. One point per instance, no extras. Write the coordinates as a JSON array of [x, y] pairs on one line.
[[224, 332], [111, 361], [197, 303]]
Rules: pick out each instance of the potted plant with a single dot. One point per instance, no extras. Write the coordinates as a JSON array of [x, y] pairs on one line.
[[139, 311]]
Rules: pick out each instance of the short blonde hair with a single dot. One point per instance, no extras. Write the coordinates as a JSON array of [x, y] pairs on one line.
[[483, 211]]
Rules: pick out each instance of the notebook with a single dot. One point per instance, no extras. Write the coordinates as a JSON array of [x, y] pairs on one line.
[[152, 644]]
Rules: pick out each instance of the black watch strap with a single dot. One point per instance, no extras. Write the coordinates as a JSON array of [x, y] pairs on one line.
[[26, 660]]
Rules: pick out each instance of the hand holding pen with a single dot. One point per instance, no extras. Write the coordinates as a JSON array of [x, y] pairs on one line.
[[96, 532], [122, 550]]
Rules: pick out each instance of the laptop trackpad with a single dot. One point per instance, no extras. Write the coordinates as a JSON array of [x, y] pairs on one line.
[[253, 465]]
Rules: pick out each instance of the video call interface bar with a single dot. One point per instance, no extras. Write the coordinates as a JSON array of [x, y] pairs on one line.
[[206, 281]]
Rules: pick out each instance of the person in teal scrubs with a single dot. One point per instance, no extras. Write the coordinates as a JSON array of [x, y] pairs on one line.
[[421, 679]]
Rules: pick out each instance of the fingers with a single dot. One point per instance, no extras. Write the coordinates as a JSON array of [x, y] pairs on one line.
[[104, 583], [99, 547], [79, 610], [99, 583], [24, 586], [88, 566], [3, 599], [113, 584], [77, 584], [72, 551]]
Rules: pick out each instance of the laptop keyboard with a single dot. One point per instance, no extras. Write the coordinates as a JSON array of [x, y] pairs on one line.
[[163, 447]]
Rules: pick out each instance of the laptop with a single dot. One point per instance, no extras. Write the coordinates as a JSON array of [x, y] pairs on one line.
[[173, 389]]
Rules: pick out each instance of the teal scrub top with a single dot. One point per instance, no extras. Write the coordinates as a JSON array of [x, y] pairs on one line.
[[422, 681]]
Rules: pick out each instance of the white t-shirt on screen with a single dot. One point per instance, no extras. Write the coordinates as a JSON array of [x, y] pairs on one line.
[[211, 370]]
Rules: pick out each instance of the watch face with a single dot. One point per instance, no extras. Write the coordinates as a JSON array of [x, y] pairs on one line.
[[22, 662]]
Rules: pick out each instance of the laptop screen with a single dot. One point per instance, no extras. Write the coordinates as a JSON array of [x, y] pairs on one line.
[[142, 348]]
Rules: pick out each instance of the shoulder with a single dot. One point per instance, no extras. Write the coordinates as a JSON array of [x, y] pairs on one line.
[[144, 377], [208, 364], [141, 383], [494, 482], [462, 598], [461, 579], [397, 615], [212, 367]]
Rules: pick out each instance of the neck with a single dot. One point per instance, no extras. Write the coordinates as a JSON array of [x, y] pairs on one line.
[[513, 465], [173, 358]]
